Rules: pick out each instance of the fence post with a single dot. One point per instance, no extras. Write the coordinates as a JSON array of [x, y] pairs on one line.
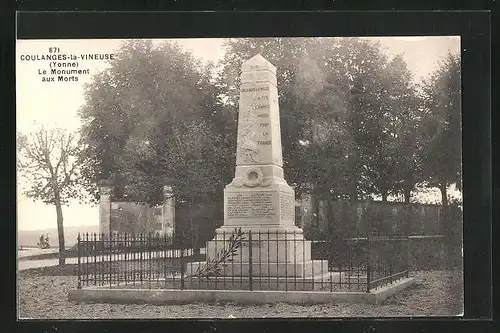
[[103, 260], [79, 265], [407, 238], [368, 263], [182, 268], [110, 257], [125, 258], [150, 259], [141, 257], [93, 246], [367, 223], [250, 261], [164, 248], [407, 243]]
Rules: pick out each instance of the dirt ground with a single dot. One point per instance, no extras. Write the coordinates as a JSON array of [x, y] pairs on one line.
[[42, 296]]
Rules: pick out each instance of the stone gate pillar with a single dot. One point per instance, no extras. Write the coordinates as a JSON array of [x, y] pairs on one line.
[[168, 210], [105, 208]]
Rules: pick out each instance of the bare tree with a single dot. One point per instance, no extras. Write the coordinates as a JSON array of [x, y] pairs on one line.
[[48, 162]]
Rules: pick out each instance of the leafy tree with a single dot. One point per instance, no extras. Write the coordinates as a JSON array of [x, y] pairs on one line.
[[310, 107], [48, 160], [442, 131], [366, 112], [405, 141], [379, 92], [152, 119], [341, 103]]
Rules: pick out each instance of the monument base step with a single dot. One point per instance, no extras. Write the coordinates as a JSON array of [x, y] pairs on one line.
[[326, 282], [266, 269]]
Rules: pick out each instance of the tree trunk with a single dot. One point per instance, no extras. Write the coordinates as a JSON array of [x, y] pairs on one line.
[[60, 233], [407, 195], [353, 190], [444, 195], [384, 196]]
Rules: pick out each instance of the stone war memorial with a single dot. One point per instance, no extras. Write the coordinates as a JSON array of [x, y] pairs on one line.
[[259, 201], [258, 255]]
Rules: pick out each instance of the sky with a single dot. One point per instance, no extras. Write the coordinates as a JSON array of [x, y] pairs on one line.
[[55, 104]]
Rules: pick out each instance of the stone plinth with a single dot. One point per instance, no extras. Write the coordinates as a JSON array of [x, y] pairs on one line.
[[168, 210], [293, 248], [105, 209], [300, 269]]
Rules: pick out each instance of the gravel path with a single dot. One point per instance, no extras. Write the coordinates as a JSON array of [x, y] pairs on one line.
[[27, 252], [434, 294], [28, 264], [37, 263]]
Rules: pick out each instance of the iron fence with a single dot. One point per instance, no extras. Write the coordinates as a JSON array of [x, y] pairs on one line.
[[243, 261]]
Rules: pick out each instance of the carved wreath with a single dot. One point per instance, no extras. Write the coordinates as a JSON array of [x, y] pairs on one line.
[[254, 177]]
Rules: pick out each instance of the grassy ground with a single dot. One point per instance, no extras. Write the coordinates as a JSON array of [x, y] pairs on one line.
[[43, 293]]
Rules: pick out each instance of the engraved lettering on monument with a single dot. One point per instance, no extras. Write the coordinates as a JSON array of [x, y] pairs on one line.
[[262, 204], [238, 207], [254, 89], [258, 87], [287, 206], [258, 205]]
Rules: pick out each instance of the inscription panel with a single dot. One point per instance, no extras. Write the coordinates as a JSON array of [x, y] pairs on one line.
[[287, 206], [256, 205], [254, 89], [254, 127]]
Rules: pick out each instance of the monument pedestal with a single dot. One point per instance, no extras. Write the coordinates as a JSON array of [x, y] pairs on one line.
[[271, 244], [268, 206]]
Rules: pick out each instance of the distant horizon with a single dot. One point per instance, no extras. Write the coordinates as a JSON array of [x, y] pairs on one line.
[[65, 227]]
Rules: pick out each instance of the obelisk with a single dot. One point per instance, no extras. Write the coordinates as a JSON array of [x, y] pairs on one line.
[[259, 198]]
